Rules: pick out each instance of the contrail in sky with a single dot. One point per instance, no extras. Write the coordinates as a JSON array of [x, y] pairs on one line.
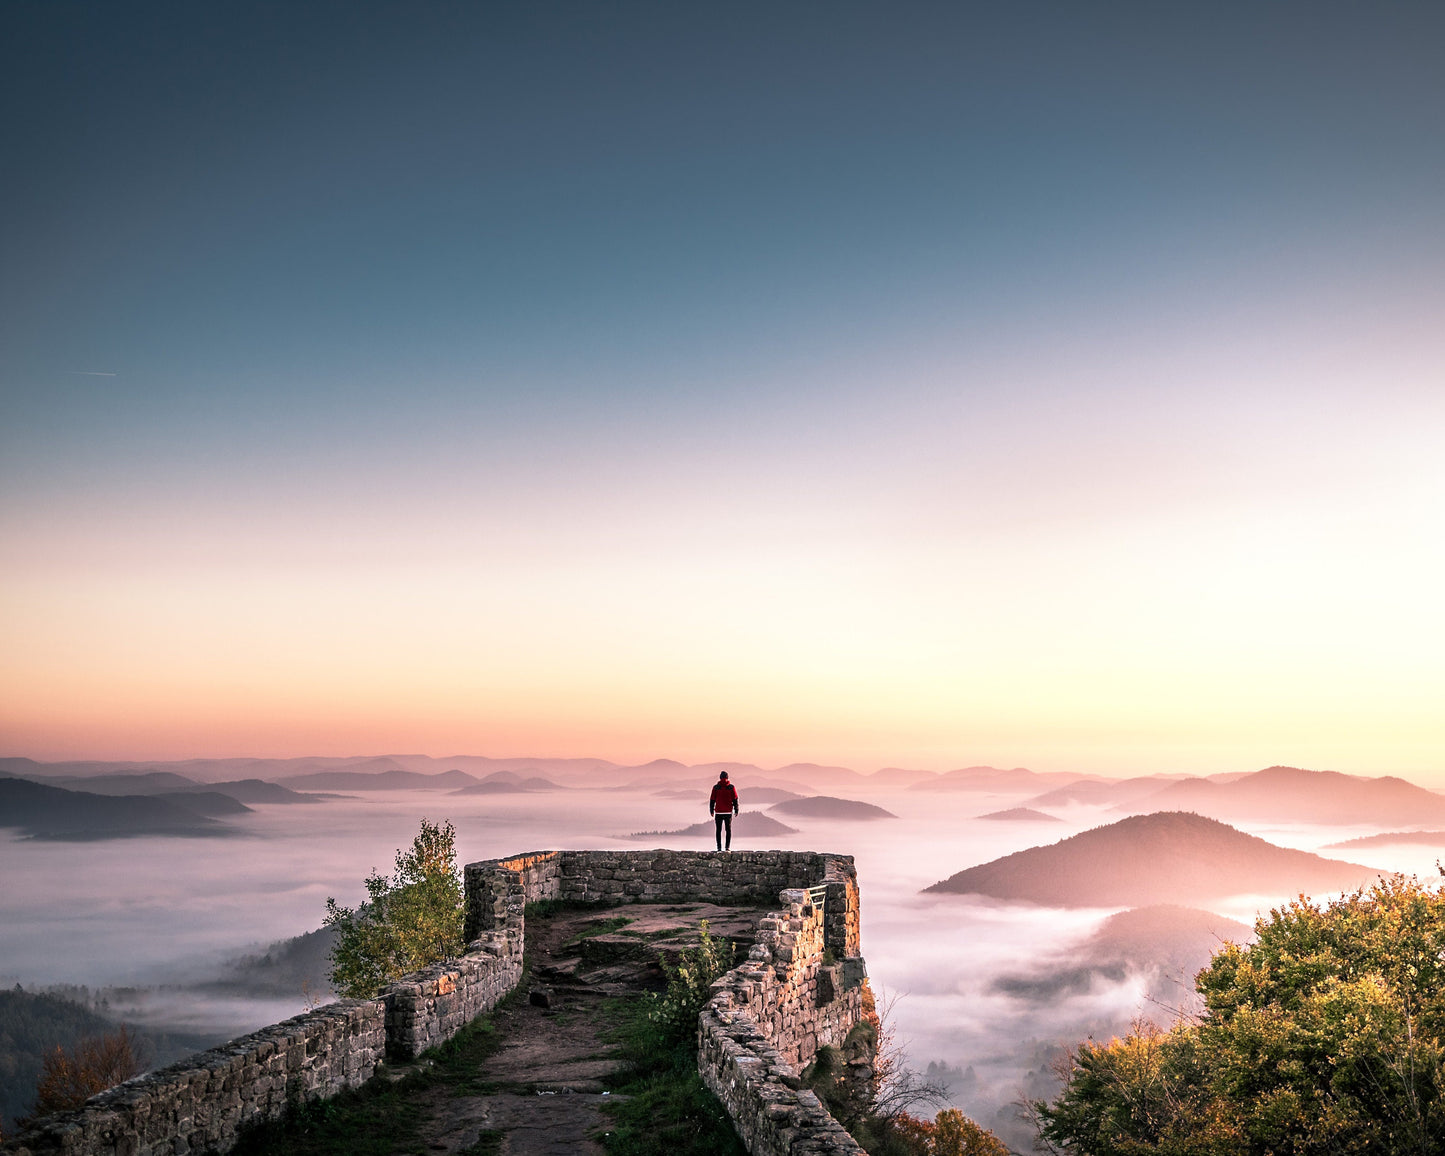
[[90, 373]]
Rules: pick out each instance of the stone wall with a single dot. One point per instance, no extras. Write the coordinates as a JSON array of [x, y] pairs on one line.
[[498, 888], [199, 1104], [430, 1006], [769, 1016], [765, 1022]]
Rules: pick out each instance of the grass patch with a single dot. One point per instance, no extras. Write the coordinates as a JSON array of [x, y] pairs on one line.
[[456, 1061], [601, 927], [381, 1117], [670, 1115], [375, 1120], [669, 1110]]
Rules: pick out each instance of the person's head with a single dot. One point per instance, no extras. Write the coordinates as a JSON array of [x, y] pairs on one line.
[[722, 776]]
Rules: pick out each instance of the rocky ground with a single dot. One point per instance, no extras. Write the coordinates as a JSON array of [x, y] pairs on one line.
[[541, 1091]]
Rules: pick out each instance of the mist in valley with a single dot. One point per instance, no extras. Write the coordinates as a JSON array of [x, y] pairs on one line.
[[982, 993]]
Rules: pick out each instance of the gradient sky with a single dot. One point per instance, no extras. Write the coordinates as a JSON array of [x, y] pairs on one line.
[[1056, 385]]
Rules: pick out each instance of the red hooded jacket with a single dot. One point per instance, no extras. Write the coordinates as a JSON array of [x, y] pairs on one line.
[[724, 800]]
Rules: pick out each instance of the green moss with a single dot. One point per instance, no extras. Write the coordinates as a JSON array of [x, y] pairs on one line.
[[601, 927]]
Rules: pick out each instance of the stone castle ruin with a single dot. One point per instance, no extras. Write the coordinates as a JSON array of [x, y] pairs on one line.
[[803, 987]]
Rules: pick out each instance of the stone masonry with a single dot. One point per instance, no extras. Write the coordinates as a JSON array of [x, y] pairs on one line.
[[199, 1104], [803, 987], [769, 1016]]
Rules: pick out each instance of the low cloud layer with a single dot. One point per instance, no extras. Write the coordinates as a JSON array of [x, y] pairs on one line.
[[988, 991]]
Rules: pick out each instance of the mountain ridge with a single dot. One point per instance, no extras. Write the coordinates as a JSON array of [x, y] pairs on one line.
[[1168, 857]]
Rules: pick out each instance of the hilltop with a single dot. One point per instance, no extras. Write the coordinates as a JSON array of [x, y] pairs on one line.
[[379, 781], [1021, 815], [748, 825], [1166, 943], [509, 783], [46, 812], [1386, 838], [1291, 794], [827, 807], [1163, 858], [995, 779]]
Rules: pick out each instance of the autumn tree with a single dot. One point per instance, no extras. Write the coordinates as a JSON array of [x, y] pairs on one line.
[[1325, 1035], [68, 1078], [410, 919], [950, 1133]]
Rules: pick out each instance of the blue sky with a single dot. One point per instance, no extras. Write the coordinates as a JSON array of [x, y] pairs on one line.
[[583, 307]]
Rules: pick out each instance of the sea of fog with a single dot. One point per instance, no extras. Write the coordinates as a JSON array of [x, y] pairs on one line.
[[167, 911]]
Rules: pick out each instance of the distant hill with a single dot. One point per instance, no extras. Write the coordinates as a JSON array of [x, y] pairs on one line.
[[198, 770], [1425, 838], [212, 804], [46, 812], [509, 783], [827, 807], [753, 794], [31, 1027], [259, 791], [287, 967], [748, 825], [166, 783], [1168, 857], [1021, 815], [1290, 794], [122, 783], [1165, 933], [768, 795], [1097, 793], [1167, 943], [1015, 779], [804, 778], [380, 781], [898, 777], [817, 773]]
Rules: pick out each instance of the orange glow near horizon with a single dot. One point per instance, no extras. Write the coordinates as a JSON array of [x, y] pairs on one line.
[[1231, 581], [955, 390], [1135, 648]]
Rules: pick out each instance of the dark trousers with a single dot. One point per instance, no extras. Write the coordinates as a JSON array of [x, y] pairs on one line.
[[724, 819]]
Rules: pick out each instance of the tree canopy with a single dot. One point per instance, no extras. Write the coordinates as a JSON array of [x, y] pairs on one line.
[[1326, 1035], [411, 919]]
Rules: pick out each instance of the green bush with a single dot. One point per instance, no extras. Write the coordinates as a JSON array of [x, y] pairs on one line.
[[410, 920], [673, 1015], [1326, 1035], [668, 1110]]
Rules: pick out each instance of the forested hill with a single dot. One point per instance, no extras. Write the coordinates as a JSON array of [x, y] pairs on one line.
[[1290, 794], [46, 812], [32, 1026], [1168, 857]]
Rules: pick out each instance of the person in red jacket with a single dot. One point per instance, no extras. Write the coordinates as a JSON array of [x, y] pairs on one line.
[[722, 805]]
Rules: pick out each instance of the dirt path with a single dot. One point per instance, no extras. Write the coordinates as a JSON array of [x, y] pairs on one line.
[[545, 1086]]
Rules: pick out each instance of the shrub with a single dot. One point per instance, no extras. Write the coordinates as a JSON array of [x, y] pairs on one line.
[[69, 1078], [674, 1014], [410, 920], [667, 1110]]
